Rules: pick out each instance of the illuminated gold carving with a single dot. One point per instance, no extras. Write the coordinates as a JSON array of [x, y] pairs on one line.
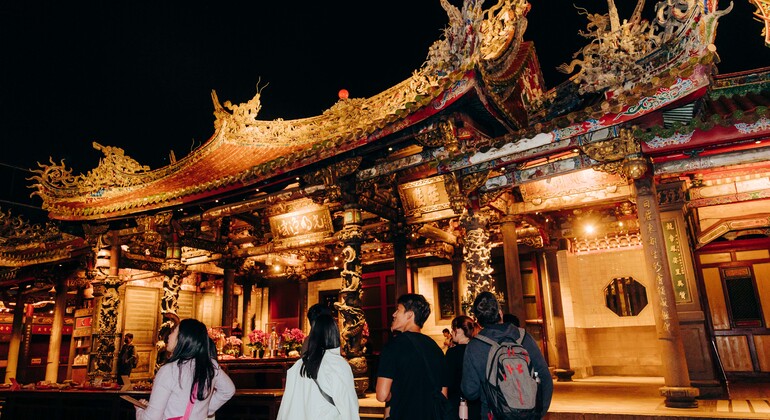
[[443, 135], [458, 201], [763, 14], [617, 51], [613, 149], [473, 181], [308, 224], [424, 196], [467, 37], [329, 177], [112, 172]]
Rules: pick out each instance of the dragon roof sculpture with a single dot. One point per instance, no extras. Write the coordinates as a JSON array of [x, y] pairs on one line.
[[244, 149]]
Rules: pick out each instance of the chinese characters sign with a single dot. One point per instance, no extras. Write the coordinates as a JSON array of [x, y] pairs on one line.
[[676, 261], [425, 200], [309, 224]]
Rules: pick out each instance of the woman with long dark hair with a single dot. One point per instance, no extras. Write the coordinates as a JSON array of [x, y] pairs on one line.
[[320, 385], [463, 329], [190, 385]]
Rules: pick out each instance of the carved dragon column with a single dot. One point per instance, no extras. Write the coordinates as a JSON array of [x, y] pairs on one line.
[[353, 319], [105, 340], [173, 270], [477, 253]]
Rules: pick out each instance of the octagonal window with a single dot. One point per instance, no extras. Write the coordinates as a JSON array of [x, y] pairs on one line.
[[625, 296]]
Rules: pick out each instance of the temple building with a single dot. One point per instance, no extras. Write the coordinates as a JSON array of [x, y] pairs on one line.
[[623, 216]]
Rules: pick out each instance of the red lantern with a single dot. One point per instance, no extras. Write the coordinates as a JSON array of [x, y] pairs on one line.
[[343, 94]]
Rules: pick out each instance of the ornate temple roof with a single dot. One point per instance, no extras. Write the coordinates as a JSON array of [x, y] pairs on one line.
[[628, 72], [245, 150]]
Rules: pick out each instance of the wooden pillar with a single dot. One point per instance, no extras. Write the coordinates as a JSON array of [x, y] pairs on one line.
[[514, 288], [248, 283], [302, 280], [399, 262], [677, 390], [228, 291], [17, 332], [54, 344], [563, 371]]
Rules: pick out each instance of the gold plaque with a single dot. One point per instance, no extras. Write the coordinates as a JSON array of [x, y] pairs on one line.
[[425, 200], [308, 224]]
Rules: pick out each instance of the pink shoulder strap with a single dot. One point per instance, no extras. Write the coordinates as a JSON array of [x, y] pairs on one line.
[[191, 402]]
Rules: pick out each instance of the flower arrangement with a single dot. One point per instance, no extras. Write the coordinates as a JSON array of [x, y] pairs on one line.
[[258, 339], [233, 346], [292, 339], [218, 337]]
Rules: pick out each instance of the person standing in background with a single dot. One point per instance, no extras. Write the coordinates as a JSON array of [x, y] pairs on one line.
[[127, 359], [463, 329]]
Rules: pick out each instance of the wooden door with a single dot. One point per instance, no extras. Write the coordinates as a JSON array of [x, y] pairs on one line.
[[735, 277]]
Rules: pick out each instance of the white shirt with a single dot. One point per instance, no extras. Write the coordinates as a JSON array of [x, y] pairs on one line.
[[303, 400], [171, 393]]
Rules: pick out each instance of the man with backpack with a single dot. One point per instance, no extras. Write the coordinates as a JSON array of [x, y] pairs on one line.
[[504, 367]]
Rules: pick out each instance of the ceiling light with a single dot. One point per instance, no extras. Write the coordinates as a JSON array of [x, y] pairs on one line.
[[589, 229]]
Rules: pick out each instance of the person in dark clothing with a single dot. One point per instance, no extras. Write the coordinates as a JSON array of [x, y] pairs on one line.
[[126, 357], [411, 369], [488, 313], [463, 329]]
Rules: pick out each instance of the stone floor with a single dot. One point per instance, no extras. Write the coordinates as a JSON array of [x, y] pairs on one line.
[[634, 399]]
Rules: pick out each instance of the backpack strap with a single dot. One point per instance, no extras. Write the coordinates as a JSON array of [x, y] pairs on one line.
[[326, 396], [493, 343], [424, 359]]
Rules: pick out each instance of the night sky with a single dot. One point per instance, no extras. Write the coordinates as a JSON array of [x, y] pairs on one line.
[[138, 76]]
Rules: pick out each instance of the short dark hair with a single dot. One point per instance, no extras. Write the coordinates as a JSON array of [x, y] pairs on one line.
[[317, 310], [487, 309], [418, 305], [129, 335]]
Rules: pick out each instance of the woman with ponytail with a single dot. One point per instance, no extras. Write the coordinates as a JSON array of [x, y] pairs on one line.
[[320, 385], [190, 385]]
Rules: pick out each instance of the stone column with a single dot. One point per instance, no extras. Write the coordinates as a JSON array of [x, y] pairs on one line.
[[54, 344], [173, 270], [677, 390], [513, 268], [477, 254], [349, 307], [108, 306], [563, 371], [17, 332]]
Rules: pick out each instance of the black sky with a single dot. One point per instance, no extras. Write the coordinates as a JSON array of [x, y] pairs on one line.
[[138, 76]]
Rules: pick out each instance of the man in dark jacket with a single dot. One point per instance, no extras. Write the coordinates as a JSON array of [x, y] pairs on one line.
[[126, 358], [488, 314]]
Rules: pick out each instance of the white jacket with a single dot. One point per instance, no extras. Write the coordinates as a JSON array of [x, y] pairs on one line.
[[302, 399]]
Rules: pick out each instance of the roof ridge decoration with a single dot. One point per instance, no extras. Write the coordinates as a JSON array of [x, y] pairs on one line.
[[622, 55], [763, 14], [471, 35], [114, 170], [467, 38]]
